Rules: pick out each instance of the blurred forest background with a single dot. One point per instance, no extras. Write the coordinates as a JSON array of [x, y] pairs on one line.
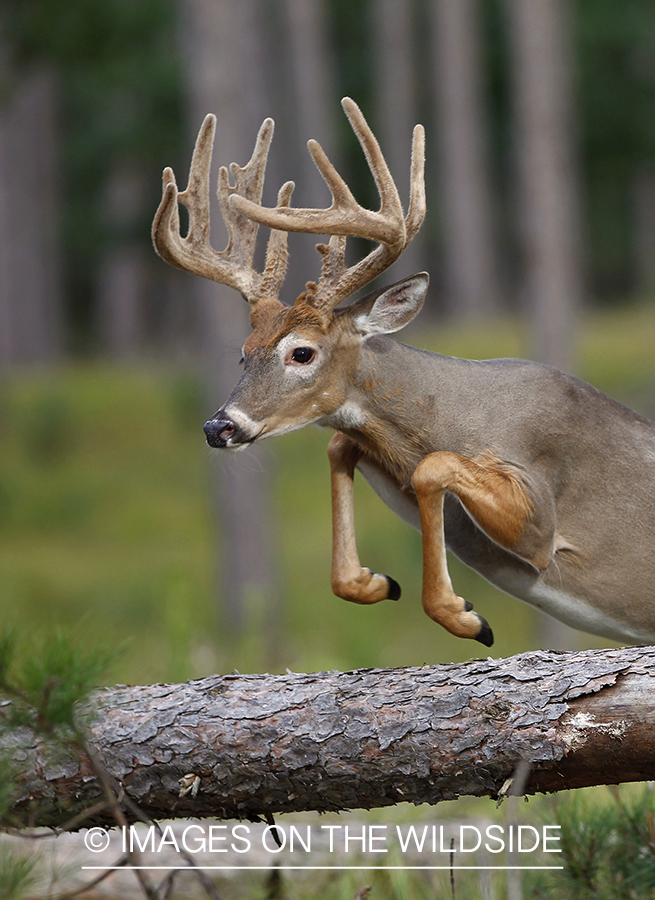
[[540, 241]]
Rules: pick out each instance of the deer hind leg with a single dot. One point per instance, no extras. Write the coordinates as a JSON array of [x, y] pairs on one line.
[[351, 580], [497, 501]]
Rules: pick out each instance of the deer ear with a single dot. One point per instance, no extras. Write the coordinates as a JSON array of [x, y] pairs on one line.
[[393, 308]]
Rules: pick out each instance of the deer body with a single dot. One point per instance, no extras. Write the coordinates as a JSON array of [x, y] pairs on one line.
[[575, 448], [536, 480]]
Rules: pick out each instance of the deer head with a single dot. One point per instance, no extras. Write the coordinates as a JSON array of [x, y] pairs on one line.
[[305, 355]]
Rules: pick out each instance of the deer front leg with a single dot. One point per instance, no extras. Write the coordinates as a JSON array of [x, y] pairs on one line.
[[351, 580], [497, 501]]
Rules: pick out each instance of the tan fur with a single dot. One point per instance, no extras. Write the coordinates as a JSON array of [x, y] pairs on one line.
[[350, 580], [493, 494], [500, 477], [489, 488]]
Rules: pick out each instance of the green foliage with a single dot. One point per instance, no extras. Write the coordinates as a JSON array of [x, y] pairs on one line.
[[615, 102], [119, 63], [42, 682], [46, 679], [608, 846], [7, 647], [617, 81], [17, 872], [109, 527]]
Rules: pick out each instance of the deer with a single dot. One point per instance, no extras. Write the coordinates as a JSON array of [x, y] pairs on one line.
[[539, 482]]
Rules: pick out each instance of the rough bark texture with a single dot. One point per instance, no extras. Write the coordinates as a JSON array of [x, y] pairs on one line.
[[264, 744]]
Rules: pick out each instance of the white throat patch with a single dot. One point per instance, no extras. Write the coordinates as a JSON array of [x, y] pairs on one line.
[[349, 415]]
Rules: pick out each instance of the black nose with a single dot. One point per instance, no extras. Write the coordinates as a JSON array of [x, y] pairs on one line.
[[218, 431]]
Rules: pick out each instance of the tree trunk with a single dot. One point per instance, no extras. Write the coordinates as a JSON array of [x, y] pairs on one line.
[[312, 113], [31, 316], [471, 277], [548, 208], [547, 198], [223, 66], [394, 55], [122, 277], [644, 229], [263, 744]]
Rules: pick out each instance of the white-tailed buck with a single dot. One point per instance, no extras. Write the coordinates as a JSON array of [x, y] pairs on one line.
[[539, 482]]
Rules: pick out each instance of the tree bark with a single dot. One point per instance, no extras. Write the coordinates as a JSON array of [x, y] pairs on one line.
[[263, 744]]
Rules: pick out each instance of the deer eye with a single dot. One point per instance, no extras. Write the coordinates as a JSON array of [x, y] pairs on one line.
[[303, 355]]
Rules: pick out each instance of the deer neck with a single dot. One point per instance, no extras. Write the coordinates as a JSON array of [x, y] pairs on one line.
[[382, 408]]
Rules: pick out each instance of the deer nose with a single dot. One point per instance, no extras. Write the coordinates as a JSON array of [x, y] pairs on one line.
[[219, 431]]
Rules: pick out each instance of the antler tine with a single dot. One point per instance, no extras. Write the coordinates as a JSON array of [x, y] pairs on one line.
[[194, 253], [391, 209], [249, 183], [332, 291], [277, 255], [417, 201], [346, 218]]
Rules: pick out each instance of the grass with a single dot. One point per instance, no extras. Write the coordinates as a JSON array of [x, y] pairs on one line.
[[103, 520]]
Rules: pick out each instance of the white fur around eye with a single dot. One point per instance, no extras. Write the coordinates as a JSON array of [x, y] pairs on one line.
[[288, 345]]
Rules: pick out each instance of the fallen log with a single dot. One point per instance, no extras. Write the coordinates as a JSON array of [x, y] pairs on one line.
[[248, 746]]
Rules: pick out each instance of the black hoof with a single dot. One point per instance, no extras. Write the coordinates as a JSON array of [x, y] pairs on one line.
[[485, 635], [394, 589], [468, 606]]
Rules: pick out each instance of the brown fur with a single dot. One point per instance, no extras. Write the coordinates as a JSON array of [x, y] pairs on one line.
[[502, 476], [397, 458], [488, 488], [271, 320]]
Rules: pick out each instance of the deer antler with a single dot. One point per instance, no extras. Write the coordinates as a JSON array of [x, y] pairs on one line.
[[242, 212], [194, 253], [346, 218]]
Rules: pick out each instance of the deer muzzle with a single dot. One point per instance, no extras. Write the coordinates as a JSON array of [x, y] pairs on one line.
[[220, 431]]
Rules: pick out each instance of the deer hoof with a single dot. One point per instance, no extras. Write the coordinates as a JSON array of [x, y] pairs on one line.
[[394, 591], [485, 635]]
